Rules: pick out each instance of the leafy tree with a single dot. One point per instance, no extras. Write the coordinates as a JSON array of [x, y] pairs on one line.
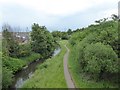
[[10, 45], [69, 31], [115, 17], [61, 35], [41, 40], [57, 35]]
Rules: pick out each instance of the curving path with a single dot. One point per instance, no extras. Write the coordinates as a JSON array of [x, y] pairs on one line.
[[68, 78]]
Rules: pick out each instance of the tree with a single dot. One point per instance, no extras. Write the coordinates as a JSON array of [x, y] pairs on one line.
[[41, 40], [57, 35], [10, 45], [114, 17], [69, 31]]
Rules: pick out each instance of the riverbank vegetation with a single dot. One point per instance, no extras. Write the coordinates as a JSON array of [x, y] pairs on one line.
[[93, 60], [49, 74], [17, 54]]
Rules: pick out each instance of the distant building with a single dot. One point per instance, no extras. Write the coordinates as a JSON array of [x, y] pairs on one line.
[[22, 37]]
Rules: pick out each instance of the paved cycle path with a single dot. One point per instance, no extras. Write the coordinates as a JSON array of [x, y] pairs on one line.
[[68, 78]]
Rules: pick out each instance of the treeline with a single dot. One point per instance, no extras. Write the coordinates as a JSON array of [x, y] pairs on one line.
[[16, 54], [62, 35], [96, 49]]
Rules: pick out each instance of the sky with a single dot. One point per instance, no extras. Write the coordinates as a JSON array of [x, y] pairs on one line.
[[55, 14]]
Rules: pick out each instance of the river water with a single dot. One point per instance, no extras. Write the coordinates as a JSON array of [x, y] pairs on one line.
[[27, 72]]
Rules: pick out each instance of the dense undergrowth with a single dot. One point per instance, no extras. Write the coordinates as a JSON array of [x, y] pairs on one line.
[[93, 59]]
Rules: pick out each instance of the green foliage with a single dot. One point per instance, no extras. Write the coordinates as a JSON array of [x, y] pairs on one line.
[[31, 58], [65, 36], [50, 73], [69, 31], [25, 50], [42, 40], [81, 79], [16, 55], [15, 64], [96, 50], [6, 77], [11, 47], [100, 57], [57, 35], [12, 64], [61, 35]]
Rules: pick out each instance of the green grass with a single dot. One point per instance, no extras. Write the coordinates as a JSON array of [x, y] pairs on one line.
[[32, 57], [49, 74], [80, 79], [13, 64]]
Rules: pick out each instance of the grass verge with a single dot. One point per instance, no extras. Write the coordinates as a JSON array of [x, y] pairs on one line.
[[49, 74]]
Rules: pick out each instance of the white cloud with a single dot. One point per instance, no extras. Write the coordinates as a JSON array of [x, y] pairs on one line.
[[108, 13], [58, 7], [56, 13]]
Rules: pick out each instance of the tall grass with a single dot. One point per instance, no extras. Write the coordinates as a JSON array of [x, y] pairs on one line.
[[50, 74], [31, 58]]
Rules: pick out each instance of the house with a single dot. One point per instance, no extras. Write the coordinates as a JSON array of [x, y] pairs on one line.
[[22, 37]]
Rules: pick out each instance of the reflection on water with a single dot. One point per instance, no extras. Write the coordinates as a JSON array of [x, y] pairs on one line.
[[19, 83], [27, 73], [56, 51], [21, 80]]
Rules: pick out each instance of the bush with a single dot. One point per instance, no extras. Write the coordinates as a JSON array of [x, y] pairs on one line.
[[81, 48], [100, 58], [12, 63]]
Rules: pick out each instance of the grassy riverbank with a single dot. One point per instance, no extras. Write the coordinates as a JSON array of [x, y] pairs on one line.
[[13, 65], [50, 74]]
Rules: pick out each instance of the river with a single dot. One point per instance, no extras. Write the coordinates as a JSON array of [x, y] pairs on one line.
[[27, 72]]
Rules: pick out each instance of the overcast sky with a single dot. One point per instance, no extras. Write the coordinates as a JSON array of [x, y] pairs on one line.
[[55, 14]]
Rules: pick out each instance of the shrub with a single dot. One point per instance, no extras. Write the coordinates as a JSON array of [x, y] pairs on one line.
[[81, 47], [12, 63], [100, 58]]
